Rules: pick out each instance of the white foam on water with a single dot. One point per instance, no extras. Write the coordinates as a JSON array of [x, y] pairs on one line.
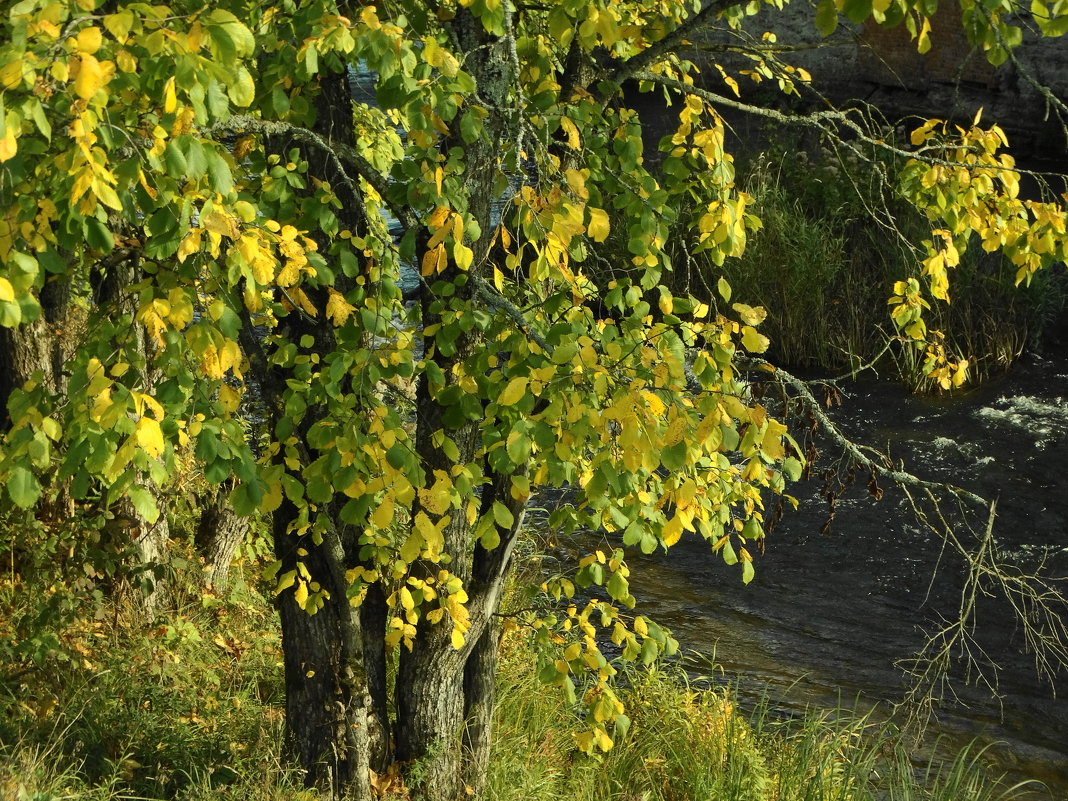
[[1044, 420]]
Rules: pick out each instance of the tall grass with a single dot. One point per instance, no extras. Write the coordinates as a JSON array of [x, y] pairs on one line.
[[191, 710], [691, 744]]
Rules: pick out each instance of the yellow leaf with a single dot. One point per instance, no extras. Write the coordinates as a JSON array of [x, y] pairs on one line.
[[751, 315], [8, 146], [437, 498], [430, 260], [89, 40], [126, 60], [462, 255], [92, 75], [457, 639], [598, 226], [573, 140], [230, 398], [119, 24], [433, 539], [515, 390], [672, 531], [300, 594], [753, 341], [221, 223], [150, 437], [7, 292], [383, 515], [338, 309], [11, 74]]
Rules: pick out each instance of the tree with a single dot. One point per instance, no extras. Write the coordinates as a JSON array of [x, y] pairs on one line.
[[261, 232]]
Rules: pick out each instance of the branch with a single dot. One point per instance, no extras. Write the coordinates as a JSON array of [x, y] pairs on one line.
[[670, 43], [499, 302], [853, 450], [340, 153], [491, 567], [825, 121], [1038, 606]]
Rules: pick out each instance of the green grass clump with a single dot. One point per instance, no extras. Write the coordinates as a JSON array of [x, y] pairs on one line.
[[189, 708], [691, 744]]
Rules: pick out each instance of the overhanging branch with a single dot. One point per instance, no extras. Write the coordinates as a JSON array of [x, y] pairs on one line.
[[343, 155], [854, 451]]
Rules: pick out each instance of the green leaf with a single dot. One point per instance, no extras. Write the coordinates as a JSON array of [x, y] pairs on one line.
[[222, 179], [242, 89], [748, 572], [502, 515], [673, 457], [144, 502], [724, 289], [792, 468], [618, 587], [518, 447], [826, 17], [857, 10], [97, 235], [23, 487]]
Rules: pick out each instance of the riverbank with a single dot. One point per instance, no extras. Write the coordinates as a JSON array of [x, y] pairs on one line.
[[105, 710]]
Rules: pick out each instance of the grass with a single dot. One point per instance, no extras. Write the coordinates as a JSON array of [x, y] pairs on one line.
[[191, 710], [692, 744]]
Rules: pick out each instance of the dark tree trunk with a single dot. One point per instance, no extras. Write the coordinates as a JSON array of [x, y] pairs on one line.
[[219, 534], [335, 660], [329, 710], [488, 574], [373, 616], [38, 349], [431, 705]]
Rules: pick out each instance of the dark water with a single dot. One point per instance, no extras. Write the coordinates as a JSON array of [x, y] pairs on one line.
[[830, 613]]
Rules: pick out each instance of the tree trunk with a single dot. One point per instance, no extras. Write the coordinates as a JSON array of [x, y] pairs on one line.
[[218, 535], [113, 296], [480, 695], [489, 572], [36, 348], [433, 678], [151, 576], [328, 701]]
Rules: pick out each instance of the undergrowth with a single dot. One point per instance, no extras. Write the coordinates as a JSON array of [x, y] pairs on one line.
[[190, 708]]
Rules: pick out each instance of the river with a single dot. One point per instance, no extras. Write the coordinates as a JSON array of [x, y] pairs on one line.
[[831, 611]]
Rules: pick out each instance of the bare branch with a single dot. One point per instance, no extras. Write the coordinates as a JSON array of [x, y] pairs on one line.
[[854, 451]]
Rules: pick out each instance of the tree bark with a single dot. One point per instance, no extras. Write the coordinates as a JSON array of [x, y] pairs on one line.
[[36, 347], [489, 572], [335, 660], [431, 705], [219, 534], [149, 540], [328, 701]]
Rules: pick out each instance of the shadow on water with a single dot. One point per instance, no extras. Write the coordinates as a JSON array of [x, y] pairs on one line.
[[830, 613]]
